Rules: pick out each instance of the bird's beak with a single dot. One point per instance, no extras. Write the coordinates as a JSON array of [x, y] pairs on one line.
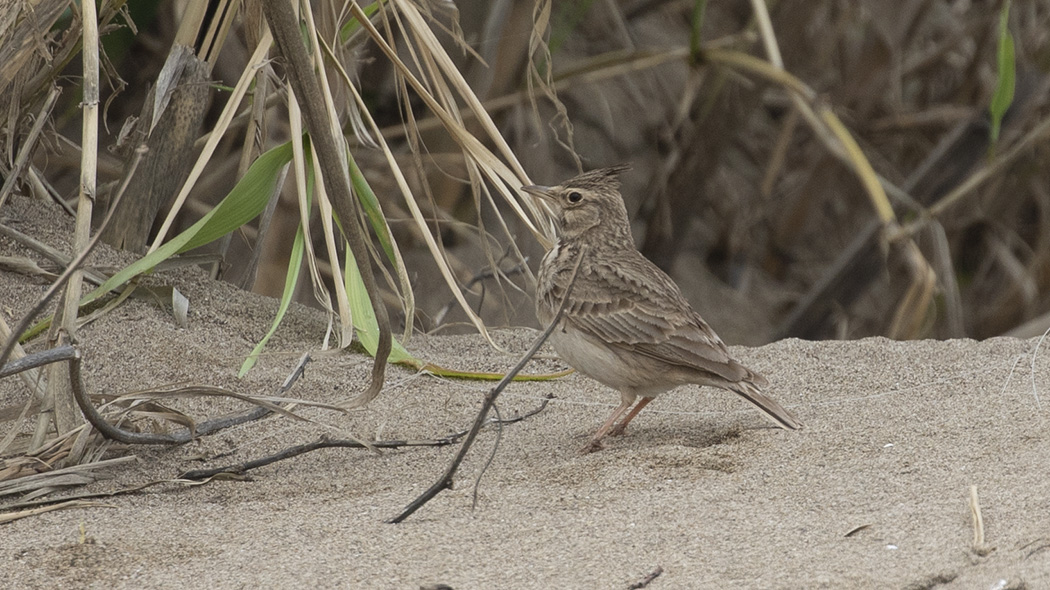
[[543, 192]]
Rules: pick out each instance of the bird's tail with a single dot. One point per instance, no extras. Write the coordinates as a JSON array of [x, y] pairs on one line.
[[768, 405]]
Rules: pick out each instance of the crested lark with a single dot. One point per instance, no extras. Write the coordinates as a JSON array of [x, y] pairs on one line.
[[626, 323]]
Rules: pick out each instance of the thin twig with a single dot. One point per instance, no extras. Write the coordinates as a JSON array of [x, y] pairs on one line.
[[326, 443], [13, 516], [492, 455], [445, 481], [322, 443], [37, 359]]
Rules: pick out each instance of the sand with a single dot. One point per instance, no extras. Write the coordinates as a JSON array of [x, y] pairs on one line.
[[873, 493]]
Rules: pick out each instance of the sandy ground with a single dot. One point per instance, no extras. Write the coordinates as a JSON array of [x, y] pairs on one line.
[[873, 493]]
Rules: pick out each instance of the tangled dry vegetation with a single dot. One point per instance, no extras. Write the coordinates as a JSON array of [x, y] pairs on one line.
[[825, 168]]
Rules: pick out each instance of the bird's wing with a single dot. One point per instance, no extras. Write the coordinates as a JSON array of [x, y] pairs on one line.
[[635, 305]]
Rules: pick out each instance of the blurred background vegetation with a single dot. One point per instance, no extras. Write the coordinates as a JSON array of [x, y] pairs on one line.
[[737, 189]]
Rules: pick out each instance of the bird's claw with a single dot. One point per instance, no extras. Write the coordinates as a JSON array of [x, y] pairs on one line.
[[591, 447]]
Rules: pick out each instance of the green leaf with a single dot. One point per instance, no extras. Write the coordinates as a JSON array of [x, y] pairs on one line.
[[353, 25], [295, 264], [373, 210], [364, 315], [241, 205], [1004, 88], [245, 202]]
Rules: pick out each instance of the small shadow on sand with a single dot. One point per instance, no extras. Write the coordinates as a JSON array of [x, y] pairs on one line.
[[697, 436]]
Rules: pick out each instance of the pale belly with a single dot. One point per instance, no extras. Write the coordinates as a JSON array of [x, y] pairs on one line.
[[619, 371]]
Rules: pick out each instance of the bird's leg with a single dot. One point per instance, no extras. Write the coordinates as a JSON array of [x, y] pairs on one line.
[[596, 440], [620, 428]]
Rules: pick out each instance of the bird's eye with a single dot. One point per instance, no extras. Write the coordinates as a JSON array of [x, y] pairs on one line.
[[575, 197]]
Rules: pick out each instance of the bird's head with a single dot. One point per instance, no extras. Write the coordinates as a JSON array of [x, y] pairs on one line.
[[590, 202]]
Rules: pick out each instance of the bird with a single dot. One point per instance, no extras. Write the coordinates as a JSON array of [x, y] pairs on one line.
[[626, 323]]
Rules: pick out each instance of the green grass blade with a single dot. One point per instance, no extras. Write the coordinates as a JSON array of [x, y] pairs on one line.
[[365, 323], [246, 201], [1004, 88], [373, 210], [352, 26], [295, 264]]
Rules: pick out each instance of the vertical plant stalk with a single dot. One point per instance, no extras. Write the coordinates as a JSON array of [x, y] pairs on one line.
[[66, 417], [285, 28]]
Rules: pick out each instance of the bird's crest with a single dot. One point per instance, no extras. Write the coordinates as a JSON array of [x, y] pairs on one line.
[[597, 179]]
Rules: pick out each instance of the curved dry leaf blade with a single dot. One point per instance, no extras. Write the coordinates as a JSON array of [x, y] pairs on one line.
[[473, 148], [13, 516], [862, 167], [204, 391]]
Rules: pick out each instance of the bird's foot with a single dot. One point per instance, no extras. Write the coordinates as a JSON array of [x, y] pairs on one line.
[[593, 446]]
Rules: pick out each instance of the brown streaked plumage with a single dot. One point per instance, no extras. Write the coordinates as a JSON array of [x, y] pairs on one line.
[[627, 324]]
